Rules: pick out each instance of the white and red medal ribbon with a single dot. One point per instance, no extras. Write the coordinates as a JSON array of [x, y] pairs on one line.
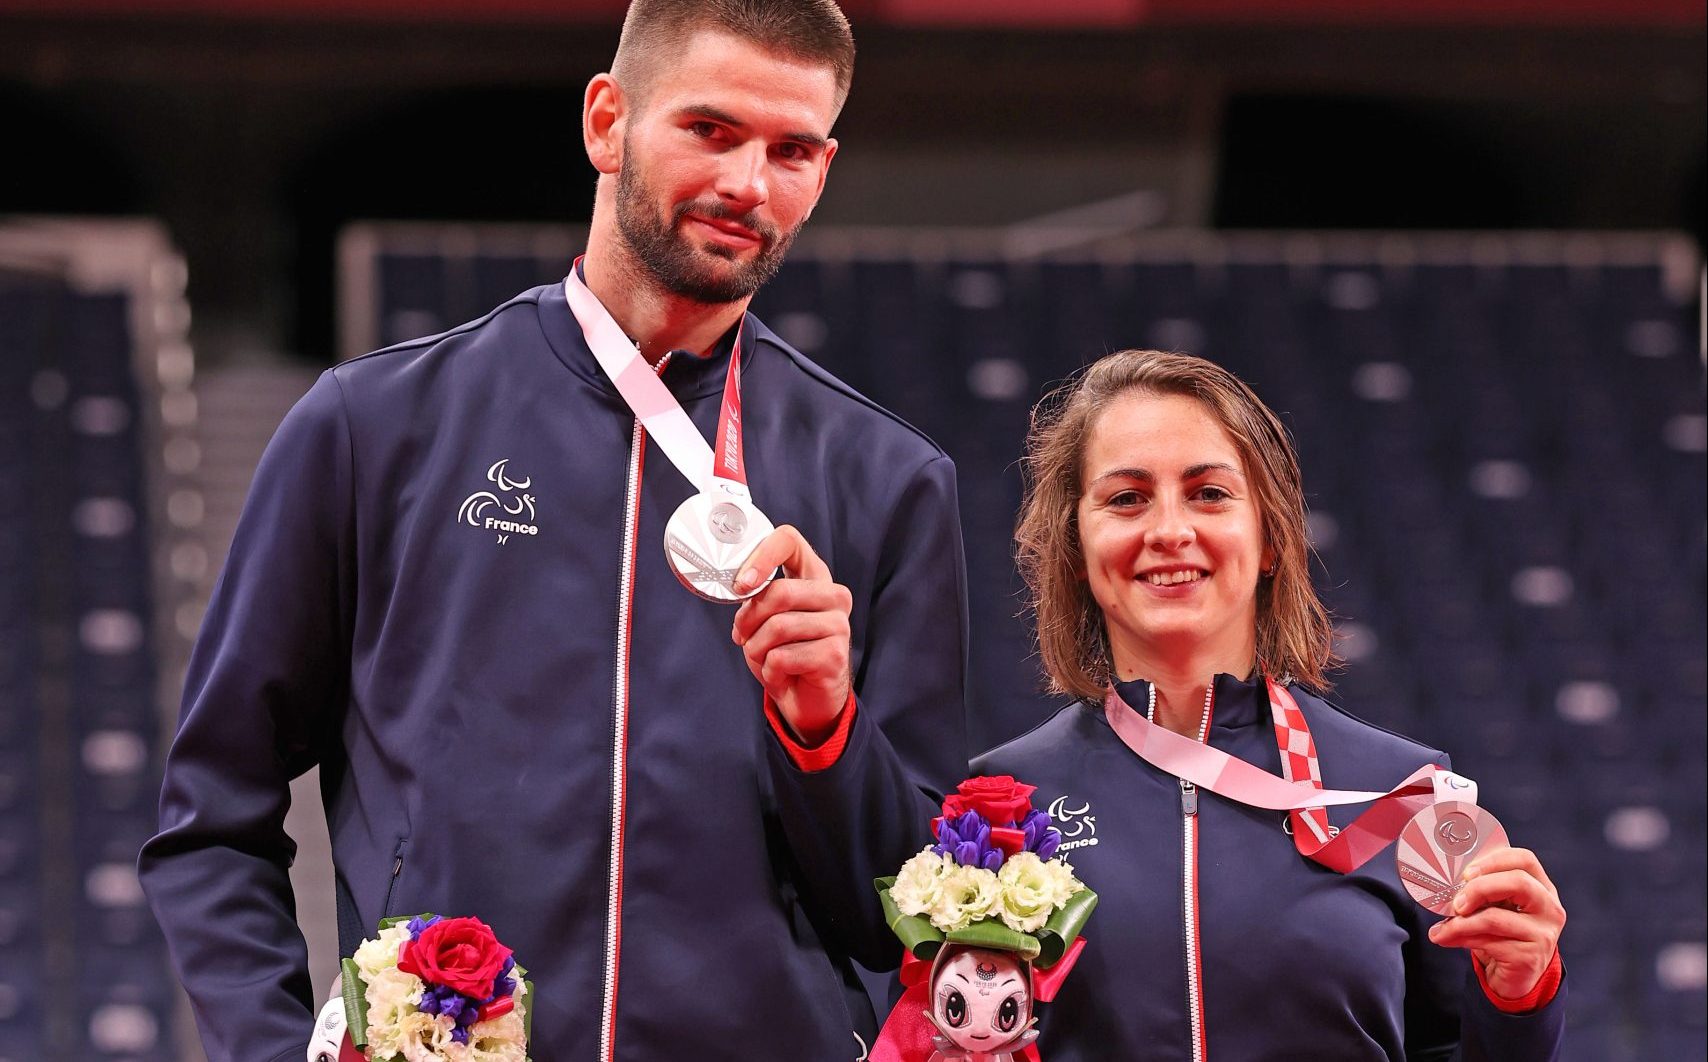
[[653, 404], [1301, 793], [710, 536]]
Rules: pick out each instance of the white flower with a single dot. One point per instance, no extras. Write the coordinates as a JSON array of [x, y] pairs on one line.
[[1028, 895], [500, 1040], [965, 896], [1063, 885], [426, 1037], [392, 995], [380, 953], [920, 882]]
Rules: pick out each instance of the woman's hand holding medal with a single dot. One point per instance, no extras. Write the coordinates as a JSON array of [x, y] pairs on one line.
[[1509, 915], [795, 633]]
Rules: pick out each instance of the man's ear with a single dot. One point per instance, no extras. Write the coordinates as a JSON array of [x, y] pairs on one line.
[[604, 112], [830, 147]]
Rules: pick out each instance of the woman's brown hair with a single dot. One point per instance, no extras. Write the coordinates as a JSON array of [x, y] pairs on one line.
[[1294, 635]]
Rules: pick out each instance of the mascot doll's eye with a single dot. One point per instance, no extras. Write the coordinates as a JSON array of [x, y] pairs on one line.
[[1008, 1015], [955, 1009]]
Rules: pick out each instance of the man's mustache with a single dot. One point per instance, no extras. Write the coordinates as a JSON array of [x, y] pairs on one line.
[[719, 212]]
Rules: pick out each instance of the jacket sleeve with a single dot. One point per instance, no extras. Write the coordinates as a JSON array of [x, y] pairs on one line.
[[262, 697], [862, 816], [1450, 1017]]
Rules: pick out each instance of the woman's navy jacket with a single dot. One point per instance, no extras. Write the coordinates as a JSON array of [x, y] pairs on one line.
[[1294, 961]]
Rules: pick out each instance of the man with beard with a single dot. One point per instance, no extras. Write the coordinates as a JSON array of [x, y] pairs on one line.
[[450, 589]]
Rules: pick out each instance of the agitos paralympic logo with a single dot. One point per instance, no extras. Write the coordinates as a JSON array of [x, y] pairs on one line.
[[1078, 826], [501, 512]]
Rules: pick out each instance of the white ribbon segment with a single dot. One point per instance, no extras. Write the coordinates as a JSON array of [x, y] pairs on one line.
[[653, 404], [1229, 776]]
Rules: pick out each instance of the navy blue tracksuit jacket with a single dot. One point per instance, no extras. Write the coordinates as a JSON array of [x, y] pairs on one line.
[[1294, 962], [535, 723]]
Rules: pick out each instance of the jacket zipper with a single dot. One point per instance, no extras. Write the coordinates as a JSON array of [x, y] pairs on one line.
[[1189, 893], [396, 872], [1189, 914], [620, 736]]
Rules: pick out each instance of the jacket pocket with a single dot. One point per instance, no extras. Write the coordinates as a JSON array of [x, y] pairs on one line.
[[396, 876]]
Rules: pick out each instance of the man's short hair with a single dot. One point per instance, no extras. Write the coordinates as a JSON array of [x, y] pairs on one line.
[[813, 31]]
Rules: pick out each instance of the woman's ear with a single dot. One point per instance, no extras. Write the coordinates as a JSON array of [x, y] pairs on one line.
[[604, 115]]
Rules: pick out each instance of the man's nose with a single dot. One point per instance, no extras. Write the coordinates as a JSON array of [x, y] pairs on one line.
[[741, 176]]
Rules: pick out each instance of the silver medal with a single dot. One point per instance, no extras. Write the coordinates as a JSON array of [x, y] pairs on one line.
[[708, 539], [1437, 844]]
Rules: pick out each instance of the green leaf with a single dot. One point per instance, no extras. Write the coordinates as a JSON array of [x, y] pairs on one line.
[[991, 933], [355, 1003], [394, 920], [1064, 927], [917, 934]]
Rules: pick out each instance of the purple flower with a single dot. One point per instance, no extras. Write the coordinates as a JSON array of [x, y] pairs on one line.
[[1051, 841], [463, 1010], [966, 839], [417, 924], [945, 837], [1033, 826], [505, 984]]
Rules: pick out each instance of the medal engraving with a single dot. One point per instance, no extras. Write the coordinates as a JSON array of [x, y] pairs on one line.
[[1436, 846], [1456, 833], [727, 522]]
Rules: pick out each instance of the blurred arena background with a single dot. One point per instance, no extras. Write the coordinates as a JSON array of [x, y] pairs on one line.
[[1458, 243]]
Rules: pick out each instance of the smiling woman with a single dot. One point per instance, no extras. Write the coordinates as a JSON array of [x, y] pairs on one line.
[[1172, 539], [1148, 451], [1162, 540]]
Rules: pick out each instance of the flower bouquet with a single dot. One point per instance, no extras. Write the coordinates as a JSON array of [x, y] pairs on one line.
[[433, 989], [990, 916]]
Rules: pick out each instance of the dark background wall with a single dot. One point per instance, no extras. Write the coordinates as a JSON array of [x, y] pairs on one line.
[[256, 138]]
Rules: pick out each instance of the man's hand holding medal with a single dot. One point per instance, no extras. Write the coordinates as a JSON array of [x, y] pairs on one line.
[[795, 634]]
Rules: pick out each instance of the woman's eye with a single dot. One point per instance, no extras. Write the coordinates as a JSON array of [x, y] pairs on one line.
[[955, 1009], [1124, 499], [1214, 494], [1008, 1014]]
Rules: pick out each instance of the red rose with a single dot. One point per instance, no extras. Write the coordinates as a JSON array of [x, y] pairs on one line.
[[999, 798], [459, 953]]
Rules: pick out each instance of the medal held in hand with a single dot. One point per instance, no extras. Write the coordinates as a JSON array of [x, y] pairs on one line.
[[1432, 813], [710, 535], [1436, 846]]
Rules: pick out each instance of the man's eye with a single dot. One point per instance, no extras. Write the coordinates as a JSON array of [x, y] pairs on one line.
[[1008, 1014], [792, 152], [702, 129], [955, 1009]]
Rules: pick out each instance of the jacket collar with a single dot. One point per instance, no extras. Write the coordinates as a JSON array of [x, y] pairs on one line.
[[1239, 702], [688, 375]]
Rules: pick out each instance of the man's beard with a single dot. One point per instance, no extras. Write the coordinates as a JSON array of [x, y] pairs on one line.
[[661, 249]]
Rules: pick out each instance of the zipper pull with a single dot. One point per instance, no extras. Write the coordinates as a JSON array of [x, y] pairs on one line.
[[1188, 798]]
